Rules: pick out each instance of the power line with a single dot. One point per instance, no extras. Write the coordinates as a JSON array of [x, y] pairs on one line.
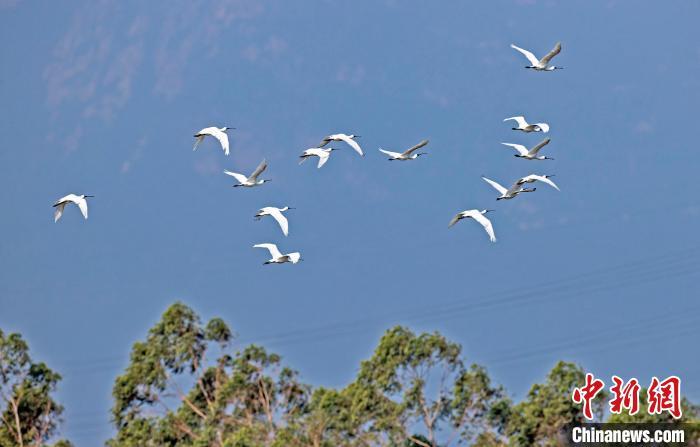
[[640, 277], [640, 272]]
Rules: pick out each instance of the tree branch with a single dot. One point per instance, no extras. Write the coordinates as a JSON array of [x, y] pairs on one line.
[[419, 442], [15, 412]]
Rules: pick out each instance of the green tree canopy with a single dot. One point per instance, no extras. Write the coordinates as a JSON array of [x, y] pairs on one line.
[[417, 389], [548, 408], [183, 387], [29, 416]]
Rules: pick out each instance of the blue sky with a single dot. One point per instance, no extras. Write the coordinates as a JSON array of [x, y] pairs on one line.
[[103, 98]]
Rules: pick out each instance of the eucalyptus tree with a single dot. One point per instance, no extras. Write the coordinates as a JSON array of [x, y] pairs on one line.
[[541, 417], [416, 389], [185, 386], [29, 415]]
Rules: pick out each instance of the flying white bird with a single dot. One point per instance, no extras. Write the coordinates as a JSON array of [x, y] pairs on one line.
[[79, 200], [478, 216], [531, 154], [349, 139], [525, 127], [277, 257], [219, 134], [322, 154], [539, 178], [276, 213], [508, 193], [407, 155], [252, 180], [540, 64]]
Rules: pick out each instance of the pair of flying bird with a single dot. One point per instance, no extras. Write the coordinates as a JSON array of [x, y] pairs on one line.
[[324, 154], [219, 133], [506, 194], [509, 193]]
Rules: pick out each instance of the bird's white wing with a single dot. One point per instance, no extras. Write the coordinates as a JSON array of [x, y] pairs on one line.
[[537, 148], [82, 204], [353, 144], [219, 135], [240, 177], [281, 220], [539, 178], [59, 211], [522, 150], [414, 148], [197, 141], [548, 57], [304, 155], [544, 127], [68, 198], [496, 186], [272, 248], [294, 257], [390, 154], [519, 119], [261, 167], [515, 187], [323, 157], [531, 57], [486, 223]]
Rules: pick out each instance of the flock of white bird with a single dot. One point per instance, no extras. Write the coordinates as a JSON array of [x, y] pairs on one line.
[[323, 154], [522, 152]]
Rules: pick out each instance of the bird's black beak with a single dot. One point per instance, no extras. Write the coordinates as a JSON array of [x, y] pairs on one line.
[[291, 208], [423, 153], [88, 195]]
